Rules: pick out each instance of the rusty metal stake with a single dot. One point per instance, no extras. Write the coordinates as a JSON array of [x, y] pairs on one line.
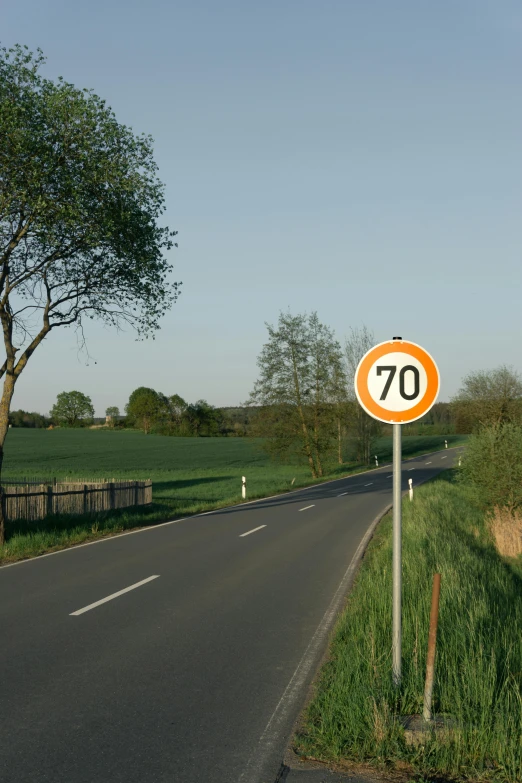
[[432, 643]]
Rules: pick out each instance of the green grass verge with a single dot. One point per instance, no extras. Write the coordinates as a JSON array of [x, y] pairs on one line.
[[479, 650], [189, 475]]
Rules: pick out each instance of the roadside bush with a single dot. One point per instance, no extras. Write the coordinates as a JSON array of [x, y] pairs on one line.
[[492, 465]]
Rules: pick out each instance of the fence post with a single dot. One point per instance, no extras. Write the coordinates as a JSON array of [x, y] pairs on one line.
[[85, 490], [112, 495], [49, 500]]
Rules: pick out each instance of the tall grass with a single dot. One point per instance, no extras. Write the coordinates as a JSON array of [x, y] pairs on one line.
[[479, 652]]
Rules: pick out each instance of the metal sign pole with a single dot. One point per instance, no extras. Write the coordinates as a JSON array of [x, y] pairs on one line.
[[397, 553], [397, 381]]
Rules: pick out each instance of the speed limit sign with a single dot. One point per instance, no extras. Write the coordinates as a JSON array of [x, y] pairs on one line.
[[397, 382]]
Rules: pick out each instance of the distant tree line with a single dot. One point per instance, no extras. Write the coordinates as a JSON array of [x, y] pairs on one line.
[[33, 420], [303, 402], [147, 410], [153, 411]]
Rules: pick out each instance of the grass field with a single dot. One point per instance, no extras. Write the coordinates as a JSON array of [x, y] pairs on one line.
[[189, 475], [478, 683]]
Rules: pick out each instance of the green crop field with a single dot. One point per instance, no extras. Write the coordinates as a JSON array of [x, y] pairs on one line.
[[189, 475]]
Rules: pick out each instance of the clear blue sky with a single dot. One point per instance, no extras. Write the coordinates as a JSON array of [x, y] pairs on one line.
[[361, 158]]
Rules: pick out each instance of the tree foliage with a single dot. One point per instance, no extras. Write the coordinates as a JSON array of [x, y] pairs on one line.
[[364, 429], [79, 205], [203, 419], [22, 418], [151, 410], [300, 377], [488, 398], [178, 410], [72, 409], [492, 464], [146, 408]]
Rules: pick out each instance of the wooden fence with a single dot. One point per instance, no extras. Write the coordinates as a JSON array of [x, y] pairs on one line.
[[36, 501]]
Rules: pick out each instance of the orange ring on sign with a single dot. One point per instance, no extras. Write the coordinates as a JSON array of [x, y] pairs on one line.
[[376, 410]]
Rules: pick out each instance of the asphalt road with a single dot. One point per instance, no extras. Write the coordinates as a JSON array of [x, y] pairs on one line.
[[198, 674]]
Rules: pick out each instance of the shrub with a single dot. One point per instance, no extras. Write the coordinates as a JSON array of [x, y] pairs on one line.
[[492, 465]]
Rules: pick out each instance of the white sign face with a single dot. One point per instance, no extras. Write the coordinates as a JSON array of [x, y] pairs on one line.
[[397, 382]]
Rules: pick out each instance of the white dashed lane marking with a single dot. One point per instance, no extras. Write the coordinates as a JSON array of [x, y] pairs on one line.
[[113, 595], [254, 530]]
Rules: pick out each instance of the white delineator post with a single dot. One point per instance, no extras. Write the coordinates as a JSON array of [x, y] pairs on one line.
[[376, 461], [243, 487], [410, 482], [446, 443], [397, 554]]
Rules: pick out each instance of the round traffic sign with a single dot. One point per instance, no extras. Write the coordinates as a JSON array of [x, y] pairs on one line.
[[397, 382]]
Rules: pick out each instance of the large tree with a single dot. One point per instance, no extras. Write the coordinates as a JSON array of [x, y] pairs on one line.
[[80, 201], [299, 368], [72, 409], [147, 408]]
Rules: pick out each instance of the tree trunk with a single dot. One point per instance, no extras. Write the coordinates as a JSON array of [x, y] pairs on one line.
[[308, 450], [319, 463], [316, 432], [317, 452], [5, 404], [306, 437]]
